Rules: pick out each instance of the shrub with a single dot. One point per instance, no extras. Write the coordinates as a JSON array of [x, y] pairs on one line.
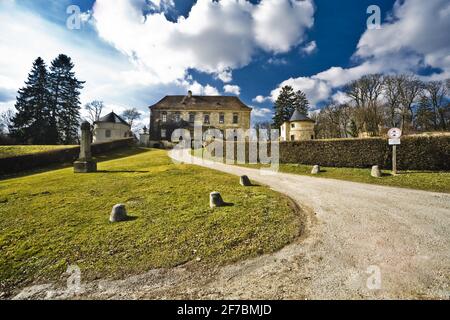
[[42, 159], [415, 153]]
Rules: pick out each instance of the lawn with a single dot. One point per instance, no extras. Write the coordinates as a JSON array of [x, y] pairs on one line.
[[54, 219], [422, 180], [13, 151]]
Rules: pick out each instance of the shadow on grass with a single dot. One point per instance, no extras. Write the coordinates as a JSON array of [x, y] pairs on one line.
[[112, 155], [120, 171]]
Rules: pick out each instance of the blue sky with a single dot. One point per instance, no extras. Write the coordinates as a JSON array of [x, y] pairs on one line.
[[133, 52]]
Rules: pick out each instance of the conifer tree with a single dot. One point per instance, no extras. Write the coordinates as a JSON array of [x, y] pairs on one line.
[[64, 101], [31, 119], [284, 106], [302, 103]]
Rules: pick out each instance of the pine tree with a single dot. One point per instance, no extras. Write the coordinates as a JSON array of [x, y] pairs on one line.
[[284, 106], [302, 103], [30, 121], [64, 102]]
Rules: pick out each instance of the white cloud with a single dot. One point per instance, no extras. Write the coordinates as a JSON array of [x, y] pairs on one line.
[[215, 37], [315, 89], [236, 90], [260, 99], [279, 25], [225, 76], [265, 113], [309, 48], [412, 38]]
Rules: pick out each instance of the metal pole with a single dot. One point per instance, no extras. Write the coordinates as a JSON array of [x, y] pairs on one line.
[[394, 159]]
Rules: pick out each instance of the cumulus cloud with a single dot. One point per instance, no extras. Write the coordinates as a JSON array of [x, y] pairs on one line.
[[412, 38], [260, 99], [234, 89], [279, 25], [309, 48], [215, 37], [261, 112]]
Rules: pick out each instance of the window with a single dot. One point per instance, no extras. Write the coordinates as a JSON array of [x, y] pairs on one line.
[[108, 133], [192, 117], [312, 137], [164, 117], [292, 138], [177, 117], [222, 118], [206, 119], [163, 133], [293, 125], [235, 118]]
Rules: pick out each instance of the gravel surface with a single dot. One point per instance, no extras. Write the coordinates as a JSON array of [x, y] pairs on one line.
[[362, 242]]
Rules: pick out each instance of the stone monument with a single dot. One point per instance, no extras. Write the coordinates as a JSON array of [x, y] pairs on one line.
[[85, 163]]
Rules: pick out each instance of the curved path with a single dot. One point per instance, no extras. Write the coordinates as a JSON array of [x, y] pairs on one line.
[[358, 231], [362, 241]]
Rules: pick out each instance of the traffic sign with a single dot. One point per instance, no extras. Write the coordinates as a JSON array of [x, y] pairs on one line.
[[395, 133], [394, 142]]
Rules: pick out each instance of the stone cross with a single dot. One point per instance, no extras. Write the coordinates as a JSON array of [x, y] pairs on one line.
[[85, 163]]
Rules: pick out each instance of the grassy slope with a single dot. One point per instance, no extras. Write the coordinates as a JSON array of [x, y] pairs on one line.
[[53, 219], [422, 180], [12, 151]]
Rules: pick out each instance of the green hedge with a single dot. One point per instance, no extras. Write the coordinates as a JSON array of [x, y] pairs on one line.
[[42, 159], [414, 153]]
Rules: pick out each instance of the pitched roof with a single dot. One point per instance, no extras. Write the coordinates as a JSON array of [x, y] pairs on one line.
[[298, 116], [112, 118], [207, 103]]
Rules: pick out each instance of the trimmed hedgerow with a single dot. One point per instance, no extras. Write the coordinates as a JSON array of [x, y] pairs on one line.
[[21, 163], [415, 153]]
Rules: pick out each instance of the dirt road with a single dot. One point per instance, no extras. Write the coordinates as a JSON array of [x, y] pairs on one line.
[[363, 241]]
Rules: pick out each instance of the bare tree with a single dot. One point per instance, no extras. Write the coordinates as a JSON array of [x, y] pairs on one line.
[[131, 115], [436, 92], [410, 88], [391, 92], [6, 120], [94, 109], [365, 94]]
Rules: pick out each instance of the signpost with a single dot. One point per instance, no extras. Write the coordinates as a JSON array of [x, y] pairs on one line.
[[394, 135]]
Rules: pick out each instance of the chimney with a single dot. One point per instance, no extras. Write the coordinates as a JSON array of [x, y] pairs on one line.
[[189, 94]]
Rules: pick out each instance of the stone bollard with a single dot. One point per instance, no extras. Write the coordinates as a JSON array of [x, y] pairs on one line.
[[376, 172], [316, 169], [118, 213], [245, 181], [215, 200]]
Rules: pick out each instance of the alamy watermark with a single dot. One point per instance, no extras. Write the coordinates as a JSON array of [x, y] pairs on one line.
[[230, 146], [374, 20]]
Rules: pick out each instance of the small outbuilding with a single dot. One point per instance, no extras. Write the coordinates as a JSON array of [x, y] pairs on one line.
[[111, 127], [299, 127]]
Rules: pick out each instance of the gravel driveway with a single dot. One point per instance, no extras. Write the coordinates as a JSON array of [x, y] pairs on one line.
[[362, 242]]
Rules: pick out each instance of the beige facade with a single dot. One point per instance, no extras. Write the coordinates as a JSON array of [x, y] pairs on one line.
[[297, 131], [298, 128], [111, 127], [187, 112]]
